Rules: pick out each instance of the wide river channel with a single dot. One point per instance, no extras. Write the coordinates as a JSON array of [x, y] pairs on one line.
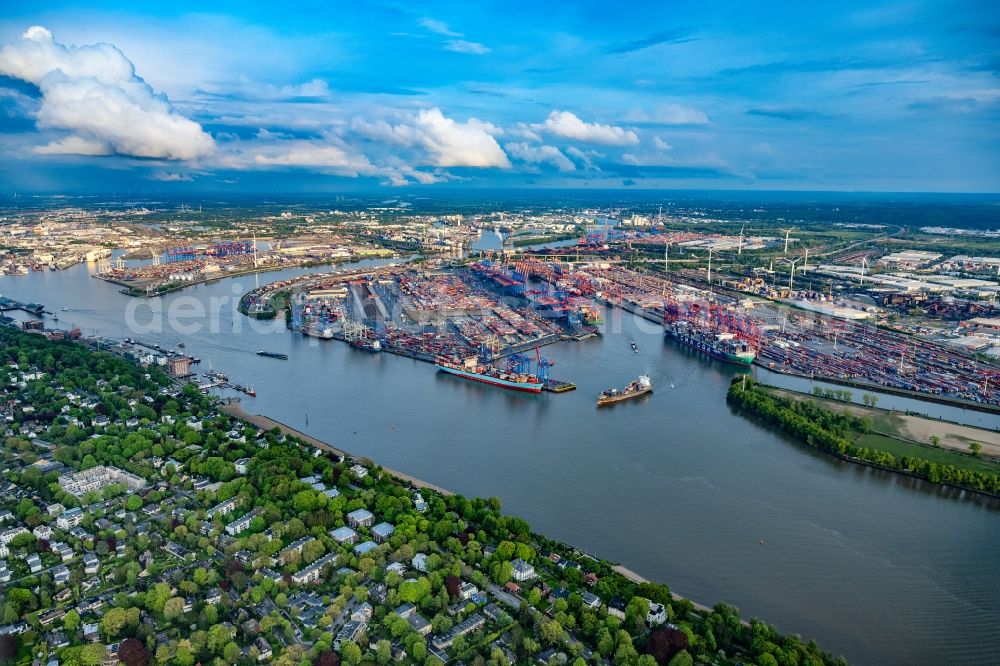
[[878, 567]]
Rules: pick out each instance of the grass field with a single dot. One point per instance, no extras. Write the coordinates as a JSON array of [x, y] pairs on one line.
[[894, 440], [900, 448]]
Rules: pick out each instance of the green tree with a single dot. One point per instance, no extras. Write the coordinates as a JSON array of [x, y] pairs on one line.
[[231, 653], [551, 632], [350, 653], [383, 651], [173, 607], [113, 622], [625, 652], [635, 614], [71, 622], [157, 597], [183, 656], [682, 658]]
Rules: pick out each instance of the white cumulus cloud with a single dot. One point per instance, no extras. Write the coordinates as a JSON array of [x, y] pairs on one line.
[[567, 125], [445, 142], [540, 155], [94, 94]]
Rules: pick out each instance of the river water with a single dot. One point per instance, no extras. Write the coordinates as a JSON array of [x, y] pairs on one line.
[[877, 567]]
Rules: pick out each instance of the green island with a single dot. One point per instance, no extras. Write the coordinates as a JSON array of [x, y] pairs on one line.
[[872, 438], [143, 525]]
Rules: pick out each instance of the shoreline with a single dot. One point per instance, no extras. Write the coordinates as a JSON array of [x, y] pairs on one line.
[[130, 288], [984, 407], [636, 578], [235, 410]]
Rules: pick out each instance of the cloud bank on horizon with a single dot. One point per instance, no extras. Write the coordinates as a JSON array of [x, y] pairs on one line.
[[906, 98]]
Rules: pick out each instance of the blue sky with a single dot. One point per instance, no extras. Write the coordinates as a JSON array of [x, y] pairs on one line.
[[897, 96]]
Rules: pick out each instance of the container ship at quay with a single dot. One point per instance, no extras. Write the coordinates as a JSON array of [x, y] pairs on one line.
[[487, 374], [638, 388], [716, 343]]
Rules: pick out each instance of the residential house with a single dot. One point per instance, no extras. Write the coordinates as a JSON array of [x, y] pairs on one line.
[[60, 574], [344, 535], [522, 570], [382, 532], [294, 547], [34, 563], [405, 610], [70, 518], [657, 614], [363, 612], [470, 624], [263, 648], [360, 518], [420, 624], [241, 524], [8, 535], [365, 547], [419, 562], [91, 564], [467, 590], [312, 572], [221, 509], [97, 478], [349, 633]]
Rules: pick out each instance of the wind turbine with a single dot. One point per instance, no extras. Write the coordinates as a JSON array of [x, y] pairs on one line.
[[787, 232], [791, 273], [864, 265], [740, 251]]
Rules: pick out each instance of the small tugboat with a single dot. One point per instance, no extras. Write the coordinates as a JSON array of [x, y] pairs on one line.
[[634, 347], [639, 387]]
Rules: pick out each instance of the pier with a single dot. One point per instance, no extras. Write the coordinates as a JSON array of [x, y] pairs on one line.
[[8, 304]]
